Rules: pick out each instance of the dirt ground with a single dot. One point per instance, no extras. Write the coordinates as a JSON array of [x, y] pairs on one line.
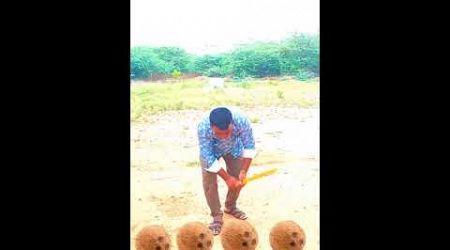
[[166, 186]]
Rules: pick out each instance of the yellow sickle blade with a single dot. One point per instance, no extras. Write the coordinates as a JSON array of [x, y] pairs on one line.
[[259, 175]]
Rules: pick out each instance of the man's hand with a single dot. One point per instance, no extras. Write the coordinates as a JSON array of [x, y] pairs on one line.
[[233, 183], [244, 170], [242, 175]]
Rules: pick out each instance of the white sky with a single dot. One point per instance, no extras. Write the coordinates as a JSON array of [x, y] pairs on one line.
[[208, 26]]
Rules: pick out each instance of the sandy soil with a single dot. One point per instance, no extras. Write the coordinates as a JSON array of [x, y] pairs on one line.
[[166, 186]]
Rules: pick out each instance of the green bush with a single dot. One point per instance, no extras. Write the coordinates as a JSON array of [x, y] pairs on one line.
[[176, 74], [296, 56], [303, 75]]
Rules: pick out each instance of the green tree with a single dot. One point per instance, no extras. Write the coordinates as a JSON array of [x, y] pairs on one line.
[[144, 62], [256, 60], [176, 58]]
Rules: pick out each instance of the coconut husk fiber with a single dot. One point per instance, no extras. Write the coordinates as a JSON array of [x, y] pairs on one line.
[[194, 236], [238, 235], [287, 235], [153, 237]]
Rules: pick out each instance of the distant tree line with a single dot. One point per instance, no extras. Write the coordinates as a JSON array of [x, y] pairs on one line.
[[296, 56]]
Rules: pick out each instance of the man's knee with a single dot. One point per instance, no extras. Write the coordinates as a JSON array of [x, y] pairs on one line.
[[209, 180], [234, 166]]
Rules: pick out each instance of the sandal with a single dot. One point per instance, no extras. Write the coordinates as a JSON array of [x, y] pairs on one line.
[[216, 227], [236, 213]]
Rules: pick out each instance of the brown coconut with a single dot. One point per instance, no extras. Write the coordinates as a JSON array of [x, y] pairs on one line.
[[238, 235], [153, 237], [194, 236], [287, 235]]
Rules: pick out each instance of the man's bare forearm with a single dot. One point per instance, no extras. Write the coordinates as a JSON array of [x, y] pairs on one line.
[[223, 174]]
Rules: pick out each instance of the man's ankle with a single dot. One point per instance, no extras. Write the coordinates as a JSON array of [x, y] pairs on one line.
[[218, 218]]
